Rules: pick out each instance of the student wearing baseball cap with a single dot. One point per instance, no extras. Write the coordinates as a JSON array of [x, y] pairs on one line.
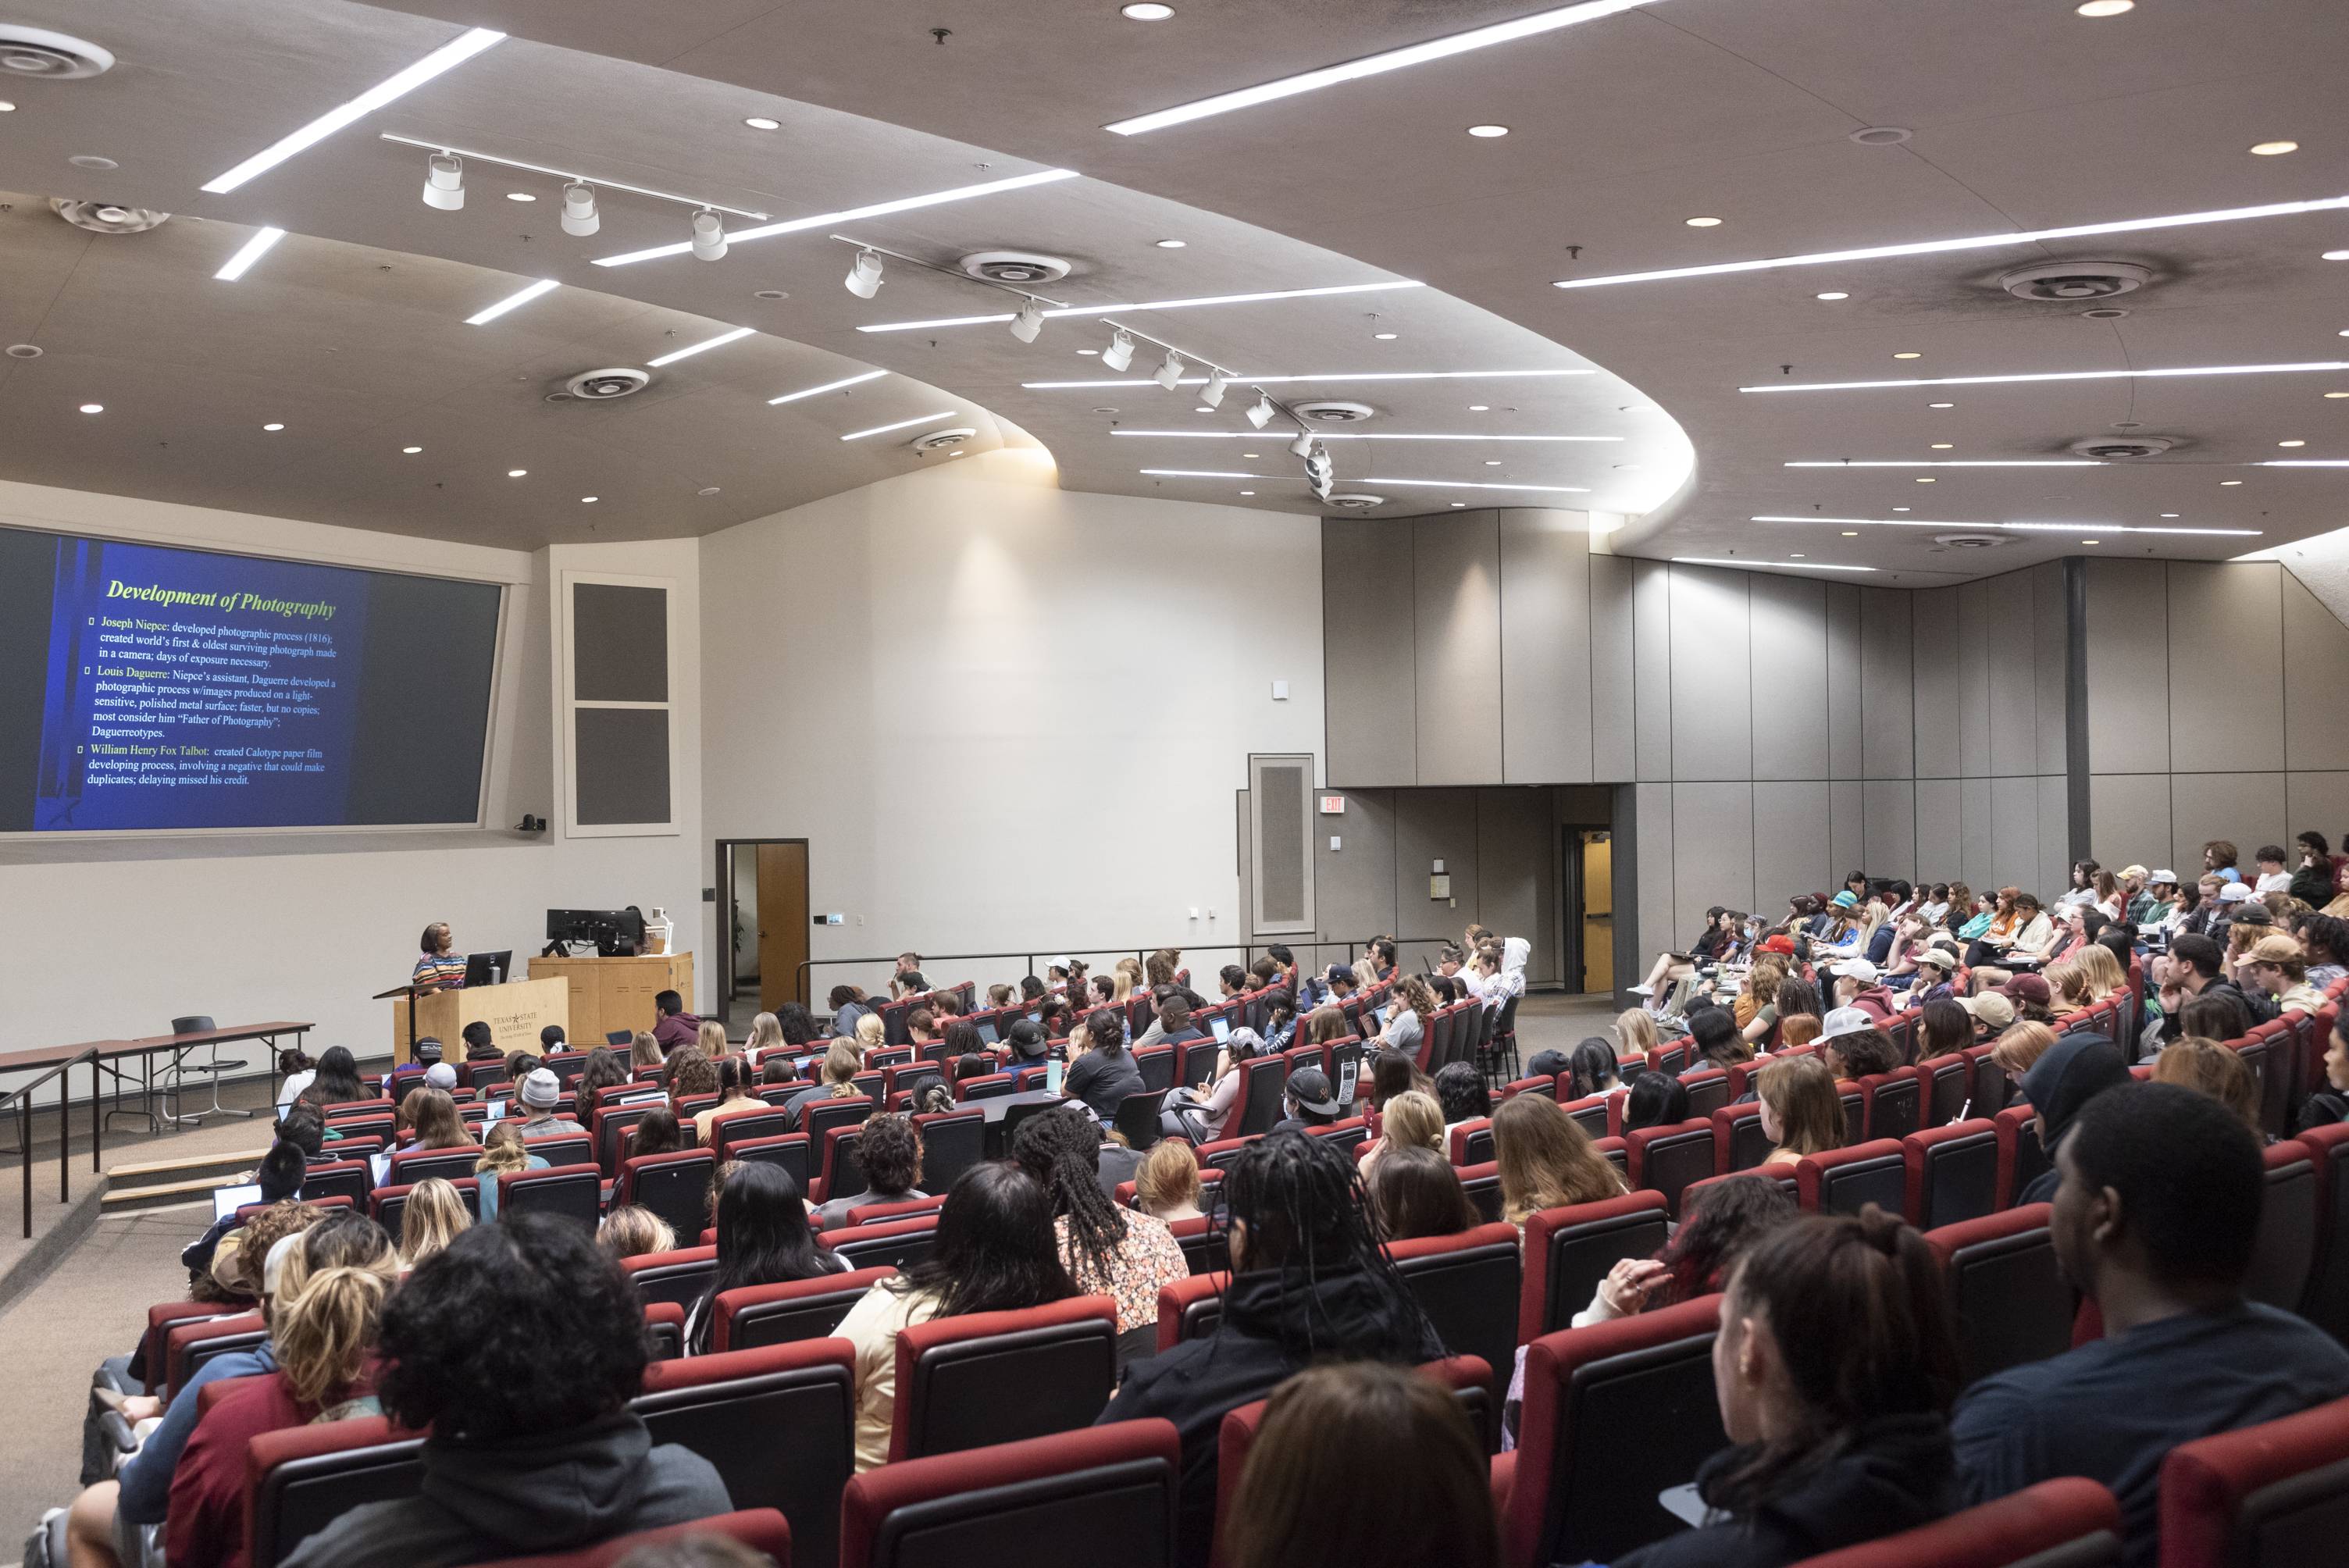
[[1994, 1015], [1306, 1100], [2277, 966], [1857, 987]]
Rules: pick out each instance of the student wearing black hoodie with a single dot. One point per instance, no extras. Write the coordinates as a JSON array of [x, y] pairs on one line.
[[1310, 1282], [1840, 1438], [2067, 1076], [519, 1345]]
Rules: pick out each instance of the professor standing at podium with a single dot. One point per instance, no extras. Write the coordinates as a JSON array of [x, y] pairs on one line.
[[442, 967]]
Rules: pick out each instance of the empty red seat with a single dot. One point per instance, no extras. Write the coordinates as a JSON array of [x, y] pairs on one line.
[[2284, 1254], [1738, 1141], [999, 1376], [574, 1192], [1948, 1084], [2326, 1301], [674, 1186], [1952, 1173], [2071, 1522], [1845, 1180], [1891, 1105], [2012, 1302], [681, 1274], [778, 1422], [1468, 1285], [2270, 1496], [1601, 1115], [1568, 1251], [1668, 1158]]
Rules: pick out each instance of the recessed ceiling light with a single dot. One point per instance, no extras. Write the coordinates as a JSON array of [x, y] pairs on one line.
[[520, 196], [1254, 379], [273, 427], [2336, 255], [6, 108], [1925, 479], [1900, 509], [1479, 408], [1171, 245], [1203, 408], [2092, 542], [707, 490], [851, 215], [2273, 149], [1945, 463], [2225, 482], [1908, 353], [2328, 364], [472, 42], [516, 473], [760, 122], [484, 317], [1940, 405], [1198, 474], [688, 352], [1797, 556], [2105, 7], [1492, 462], [1943, 445], [1971, 242], [1702, 222], [1851, 533], [1384, 337], [93, 408], [2171, 514], [2019, 527], [1145, 11], [411, 451], [1374, 65], [2337, 394], [1094, 352], [1488, 131], [827, 387], [1392, 436], [1134, 306], [252, 251], [1465, 484], [2291, 443], [1247, 454], [589, 499], [1832, 293]]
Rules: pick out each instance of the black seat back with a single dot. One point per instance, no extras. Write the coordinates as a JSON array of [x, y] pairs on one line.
[[1263, 1081], [1470, 1296], [1895, 1108], [782, 1439], [789, 1151], [1604, 1484], [1579, 1255], [743, 1125], [2285, 1246], [1957, 1178], [296, 1499], [681, 1281], [811, 1316], [679, 1191], [1026, 1383], [898, 1243], [820, 1116], [952, 1142], [575, 1191], [1198, 1061], [2012, 1302]]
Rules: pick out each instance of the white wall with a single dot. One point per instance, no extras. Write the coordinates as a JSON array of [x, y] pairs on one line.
[[113, 939], [1002, 714]]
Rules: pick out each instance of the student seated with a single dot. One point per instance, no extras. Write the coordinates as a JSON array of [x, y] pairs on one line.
[[1547, 1161], [540, 1099], [1417, 1192], [519, 1346], [763, 1238], [1717, 1229], [1657, 1100], [890, 1155], [1838, 1437], [1460, 1090], [1409, 1120], [1801, 1114], [2075, 1071], [2155, 1214], [1104, 1074], [1122, 1254], [1307, 1100], [1166, 1184], [632, 1230]]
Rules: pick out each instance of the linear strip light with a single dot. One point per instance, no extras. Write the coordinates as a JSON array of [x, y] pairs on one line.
[[1352, 436], [597, 181], [900, 425], [2059, 376], [673, 355], [1375, 65], [1099, 309], [1201, 474], [2030, 527], [512, 300], [876, 209], [827, 387], [1465, 484], [1787, 565], [2303, 463], [252, 251], [1292, 380], [456, 53], [1972, 242], [1953, 463]]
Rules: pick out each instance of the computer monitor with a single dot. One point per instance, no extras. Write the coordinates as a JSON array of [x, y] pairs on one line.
[[616, 933], [488, 968]]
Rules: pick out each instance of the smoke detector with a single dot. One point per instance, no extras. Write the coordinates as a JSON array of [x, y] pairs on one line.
[[1356, 500], [603, 385], [52, 57], [107, 217], [1015, 267], [1972, 540], [1327, 413], [942, 441], [2121, 449], [2076, 280]]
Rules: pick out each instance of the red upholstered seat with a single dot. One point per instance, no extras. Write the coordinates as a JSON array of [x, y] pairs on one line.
[[761, 1528], [1949, 1084], [1471, 1141], [665, 1324], [2067, 1524], [1103, 1494], [2268, 1496], [778, 1422], [1601, 1115], [1845, 1180], [999, 1376], [2283, 1255], [674, 1186], [299, 1480], [2012, 1301], [1190, 1308], [1666, 1158], [679, 1275], [898, 1243], [1613, 1415], [1468, 1285], [2326, 1301], [1892, 1104], [876, 1214], [2020, 1159], [1568, 1251], [574, 1192], [186, 1346], [1738, 1141], [1951, 1173], [798, 1309]]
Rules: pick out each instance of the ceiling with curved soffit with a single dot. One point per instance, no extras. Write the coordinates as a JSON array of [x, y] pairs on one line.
[[1990, 119], [352, 333]]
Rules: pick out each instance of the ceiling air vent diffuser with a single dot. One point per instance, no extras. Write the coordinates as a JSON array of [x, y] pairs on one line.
[[107, 217], [2123, 448], [603, 385], [2076, 281], [52, 57], [942, 441]]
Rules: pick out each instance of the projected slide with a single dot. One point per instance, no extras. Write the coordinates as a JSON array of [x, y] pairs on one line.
[[181, 688]]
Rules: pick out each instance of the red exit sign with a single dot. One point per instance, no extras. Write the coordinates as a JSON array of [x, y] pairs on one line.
[[1333, 805]]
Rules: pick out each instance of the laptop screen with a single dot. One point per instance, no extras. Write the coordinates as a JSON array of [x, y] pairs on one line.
[[227, 1201], [1222, 1029]]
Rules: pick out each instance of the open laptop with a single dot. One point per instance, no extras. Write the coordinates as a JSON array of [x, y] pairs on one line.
[[227, 1201]]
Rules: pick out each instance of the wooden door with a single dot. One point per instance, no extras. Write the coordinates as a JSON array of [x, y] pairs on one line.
[[782, 923], [1598, 913]]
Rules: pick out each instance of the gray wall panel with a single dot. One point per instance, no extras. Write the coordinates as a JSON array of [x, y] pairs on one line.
[[2054, 872], [1457, 575], [1711, 697], [2226, 666], [1789, 676], [1612, 699], [2011, 646], [1545, 647], [2315, 681], [1652, 669], [2128, 819], [2128, 669], [1889, 827], [1368, 665], [1790, 844], [2015, 833], [1517, 871], [1434, 825], [1712, 850], [1354, 884], [1844, 753], [1653, 807], [1977, 851], [2318, 800], [1973, 681], [2048, 619], [1939, 841], [2247, 809], [1934, 652], [1888, 739], [1847, 828]]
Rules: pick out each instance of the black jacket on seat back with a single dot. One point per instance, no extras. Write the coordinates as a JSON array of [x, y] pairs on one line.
[[1275, 1323]]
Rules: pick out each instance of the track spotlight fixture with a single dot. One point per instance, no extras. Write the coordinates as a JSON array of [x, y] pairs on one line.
[[709, 235], [444, 181], [1028, 322], [1119, 351], [1319, 472], [1169, 373], [579, 214], [863, 278], [1212, 394], [1303, 446], [1261, 414]]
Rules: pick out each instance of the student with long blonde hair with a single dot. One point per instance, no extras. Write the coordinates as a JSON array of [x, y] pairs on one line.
[[1635, 1034], [1410, 1119], [1801, 1112], [431, 1220], [1547, 1161]]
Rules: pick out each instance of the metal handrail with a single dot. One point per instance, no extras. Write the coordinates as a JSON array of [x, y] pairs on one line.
[[1248, 950], [23, 1097]]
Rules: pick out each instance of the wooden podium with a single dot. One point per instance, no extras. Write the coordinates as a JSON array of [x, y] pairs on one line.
[[612, 993], [515, 1012]]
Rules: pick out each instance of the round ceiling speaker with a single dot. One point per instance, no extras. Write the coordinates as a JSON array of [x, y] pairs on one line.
[[2124, 448], [2076, 280], [1356, 500], [1972, 540], [942, 441], [603, 385], [107, 217], [1026, 267], [1332, 413], [55, 57]]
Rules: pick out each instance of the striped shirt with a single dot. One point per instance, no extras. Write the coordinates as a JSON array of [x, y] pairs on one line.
[[444, 970]]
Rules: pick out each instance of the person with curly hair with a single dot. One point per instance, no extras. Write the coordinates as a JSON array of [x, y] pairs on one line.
[[1122, 1254], [518, 1346], [890, 1154]]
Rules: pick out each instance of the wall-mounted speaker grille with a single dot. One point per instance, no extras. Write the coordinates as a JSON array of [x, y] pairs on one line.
[[1280, 798]]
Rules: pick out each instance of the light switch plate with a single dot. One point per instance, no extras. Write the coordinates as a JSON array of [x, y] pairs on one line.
[[1281, 691], [1333, 841]]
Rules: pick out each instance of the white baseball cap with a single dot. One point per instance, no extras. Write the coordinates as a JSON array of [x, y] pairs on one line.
[[1859, 969], [2236, 893], [1845, 1021]]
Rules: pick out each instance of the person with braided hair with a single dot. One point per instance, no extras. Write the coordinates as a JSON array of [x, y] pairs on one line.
[[1124, 1255], [1310, 1282]]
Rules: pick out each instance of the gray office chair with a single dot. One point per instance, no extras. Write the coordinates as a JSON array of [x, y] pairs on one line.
[[211, 1066]]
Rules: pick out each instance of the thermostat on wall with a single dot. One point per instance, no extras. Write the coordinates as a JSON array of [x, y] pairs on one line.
[[831, 919]]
